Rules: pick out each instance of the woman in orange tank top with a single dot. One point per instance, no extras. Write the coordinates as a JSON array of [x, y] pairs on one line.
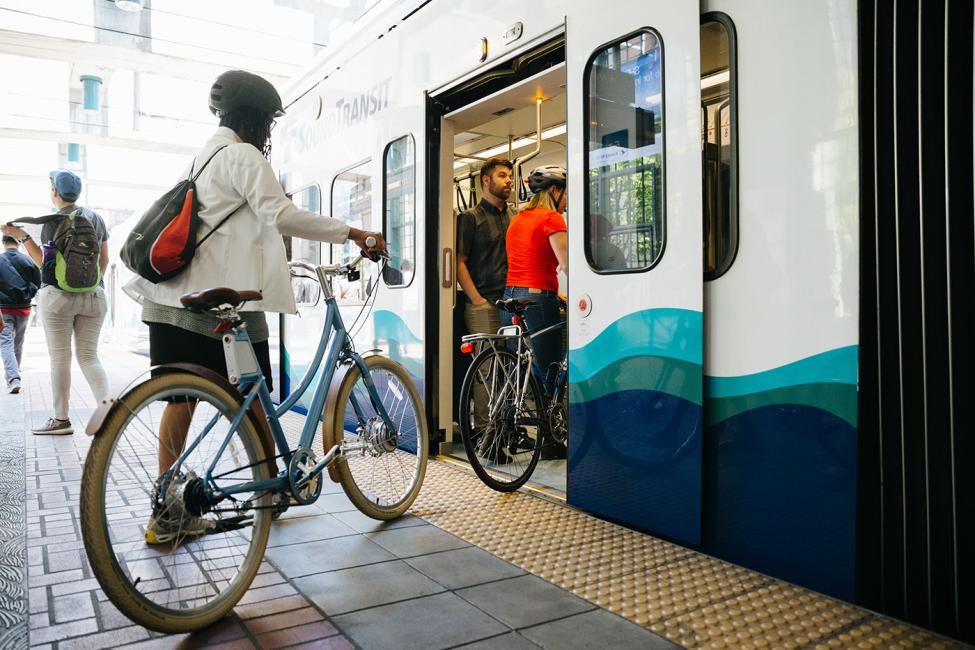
[[537, 245]]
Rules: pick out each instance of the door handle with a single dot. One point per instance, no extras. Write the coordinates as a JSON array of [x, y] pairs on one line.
[[446, 263]]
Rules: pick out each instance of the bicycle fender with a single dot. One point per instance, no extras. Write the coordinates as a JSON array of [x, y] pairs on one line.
[[106, 408], [94, 427], [328, 422]]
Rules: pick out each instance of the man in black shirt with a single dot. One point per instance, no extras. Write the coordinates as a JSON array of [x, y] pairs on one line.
[[482, 263]]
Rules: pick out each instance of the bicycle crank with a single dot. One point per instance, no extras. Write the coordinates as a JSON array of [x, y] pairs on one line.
[[305, 484]]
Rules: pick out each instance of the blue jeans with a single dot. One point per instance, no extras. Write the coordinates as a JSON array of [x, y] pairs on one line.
[[545, 312], [12, 345]]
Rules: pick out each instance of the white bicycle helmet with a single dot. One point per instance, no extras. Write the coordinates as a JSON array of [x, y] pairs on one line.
[[546, 176]]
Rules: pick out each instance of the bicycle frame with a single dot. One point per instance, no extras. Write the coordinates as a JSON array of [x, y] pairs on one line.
[[334, 348], [524, 340]]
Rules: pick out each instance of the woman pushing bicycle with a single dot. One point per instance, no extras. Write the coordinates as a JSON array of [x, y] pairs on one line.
[[236, 183], [200, 446]]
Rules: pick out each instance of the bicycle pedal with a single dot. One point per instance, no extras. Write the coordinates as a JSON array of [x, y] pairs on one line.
[[230, 523]]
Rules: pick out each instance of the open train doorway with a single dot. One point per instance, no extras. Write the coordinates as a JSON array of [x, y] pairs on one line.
[[516, 112]]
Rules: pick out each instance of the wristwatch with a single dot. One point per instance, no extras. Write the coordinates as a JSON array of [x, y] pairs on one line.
[[26, 237]]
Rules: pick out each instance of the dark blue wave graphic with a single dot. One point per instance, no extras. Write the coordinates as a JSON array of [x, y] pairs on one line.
[[780, 494], [635, 458]]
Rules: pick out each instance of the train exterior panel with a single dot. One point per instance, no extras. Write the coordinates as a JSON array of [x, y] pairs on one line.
[[720, 413], [717, 404]]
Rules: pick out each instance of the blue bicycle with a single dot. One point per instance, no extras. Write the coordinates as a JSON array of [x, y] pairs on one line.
[[187, 469]]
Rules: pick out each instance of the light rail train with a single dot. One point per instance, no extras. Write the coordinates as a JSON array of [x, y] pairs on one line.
[[722, 225]]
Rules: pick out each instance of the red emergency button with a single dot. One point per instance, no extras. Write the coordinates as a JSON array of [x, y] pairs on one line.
[[584, 304]]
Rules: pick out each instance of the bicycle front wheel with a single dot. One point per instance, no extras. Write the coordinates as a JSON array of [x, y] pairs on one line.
[[381, 471], [501, 425], [164, 561]]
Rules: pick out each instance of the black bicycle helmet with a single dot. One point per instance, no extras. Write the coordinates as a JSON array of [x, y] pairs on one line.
[[546, 176], [236, 88]]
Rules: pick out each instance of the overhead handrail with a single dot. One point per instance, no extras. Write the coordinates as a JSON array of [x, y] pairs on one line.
[[523, 159]]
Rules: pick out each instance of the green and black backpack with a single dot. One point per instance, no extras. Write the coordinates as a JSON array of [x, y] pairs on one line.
[[71, 258]]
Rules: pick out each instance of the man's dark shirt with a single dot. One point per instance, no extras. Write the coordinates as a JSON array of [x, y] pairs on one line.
[[480, 236]]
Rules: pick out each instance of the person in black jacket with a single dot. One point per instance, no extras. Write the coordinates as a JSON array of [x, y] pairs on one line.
[[19, 281]]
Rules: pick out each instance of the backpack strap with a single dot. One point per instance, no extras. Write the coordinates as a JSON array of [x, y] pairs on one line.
[[220, 223], [191, 176], [38, 220]]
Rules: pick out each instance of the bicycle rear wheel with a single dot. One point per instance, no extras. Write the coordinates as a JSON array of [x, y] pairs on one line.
[[194, 579], [380, 472], [502, 432]]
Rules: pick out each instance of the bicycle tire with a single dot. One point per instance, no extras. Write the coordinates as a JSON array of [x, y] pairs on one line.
[[517, 428], [185, 555], [365, 464]]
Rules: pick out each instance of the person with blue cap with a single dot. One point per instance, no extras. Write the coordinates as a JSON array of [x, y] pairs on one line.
[[68, 313]]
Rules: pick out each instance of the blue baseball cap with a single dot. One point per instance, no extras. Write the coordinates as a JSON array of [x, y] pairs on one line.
[[66, 183]]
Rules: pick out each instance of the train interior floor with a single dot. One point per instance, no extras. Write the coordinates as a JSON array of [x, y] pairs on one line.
[[467, 567]]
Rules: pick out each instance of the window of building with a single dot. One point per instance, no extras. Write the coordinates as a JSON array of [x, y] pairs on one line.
[[399, 221], [719, 147], [352, 203], [624, 161]]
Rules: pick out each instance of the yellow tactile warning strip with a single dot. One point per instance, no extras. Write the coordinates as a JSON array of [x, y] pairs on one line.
[[695, 600]]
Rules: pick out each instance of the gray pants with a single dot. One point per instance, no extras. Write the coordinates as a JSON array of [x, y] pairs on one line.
[[79, 316], [481, 319], [12, 345]]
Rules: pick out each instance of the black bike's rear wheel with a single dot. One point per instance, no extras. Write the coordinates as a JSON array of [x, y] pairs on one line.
[[502, 432]]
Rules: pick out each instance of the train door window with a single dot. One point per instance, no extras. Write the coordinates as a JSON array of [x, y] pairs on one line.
[[352, 203], [399, 215], [719, 146], [624, 161], [306, 250]]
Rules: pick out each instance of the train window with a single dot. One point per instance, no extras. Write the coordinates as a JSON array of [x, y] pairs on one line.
[[399, 218], [306, 250], [624, 224], [719, 146], [352, 203]]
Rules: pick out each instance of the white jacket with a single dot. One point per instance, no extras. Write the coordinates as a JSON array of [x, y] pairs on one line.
[[247, 252]]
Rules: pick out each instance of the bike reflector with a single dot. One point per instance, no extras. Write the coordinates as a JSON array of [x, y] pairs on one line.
[[516, 320], [467, 348]]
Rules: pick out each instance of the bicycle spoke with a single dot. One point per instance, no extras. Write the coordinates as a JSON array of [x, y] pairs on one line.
[[501, 425], [192, 560], [383, 470]]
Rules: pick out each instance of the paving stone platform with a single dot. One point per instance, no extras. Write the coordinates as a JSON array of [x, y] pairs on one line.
[[332, 578]]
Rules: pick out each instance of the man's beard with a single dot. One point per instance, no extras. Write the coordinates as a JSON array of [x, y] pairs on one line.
[[500, 190]]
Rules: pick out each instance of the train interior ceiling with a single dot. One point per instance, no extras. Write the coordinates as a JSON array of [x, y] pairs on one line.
[[486, 129]]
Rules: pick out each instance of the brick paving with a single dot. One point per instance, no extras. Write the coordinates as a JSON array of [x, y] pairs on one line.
[[332, 578], [67, 609]]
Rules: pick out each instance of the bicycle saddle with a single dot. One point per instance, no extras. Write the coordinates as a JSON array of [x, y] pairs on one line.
[[515, 305], [212, 298]]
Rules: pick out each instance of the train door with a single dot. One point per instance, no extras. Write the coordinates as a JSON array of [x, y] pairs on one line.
[[517, 116], [636, 275]]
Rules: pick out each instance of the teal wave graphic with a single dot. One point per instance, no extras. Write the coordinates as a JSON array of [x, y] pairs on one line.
[[664, 333], [394, 337], [658, 374], [835, 398], [834, 366]]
